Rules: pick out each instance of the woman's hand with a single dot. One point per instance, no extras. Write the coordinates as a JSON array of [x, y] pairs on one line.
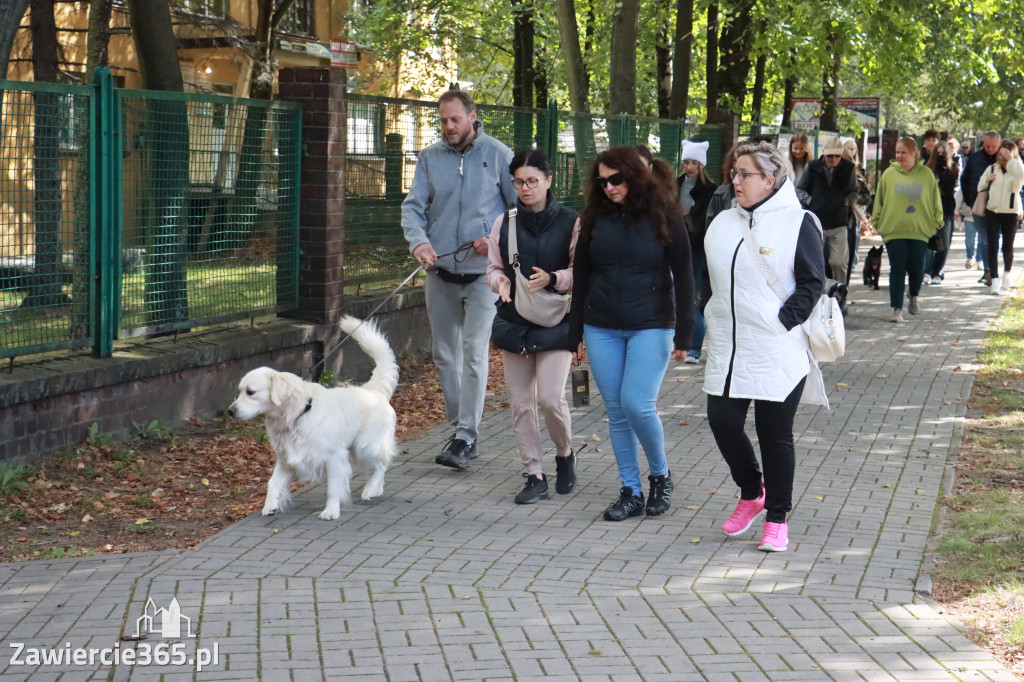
[[538, 280], [581, 352], [504, 290], [991, 178], [679, 355]]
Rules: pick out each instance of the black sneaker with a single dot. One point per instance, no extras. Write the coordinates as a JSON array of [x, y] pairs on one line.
[[627, 505], [565, 471], [661, 494], [536, 489], [454, 454], [473, 453]]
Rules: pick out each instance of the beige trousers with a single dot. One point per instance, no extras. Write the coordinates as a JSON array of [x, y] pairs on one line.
[[534, 381]]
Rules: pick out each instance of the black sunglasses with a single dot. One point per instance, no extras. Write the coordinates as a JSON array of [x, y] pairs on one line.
[[614, 180]]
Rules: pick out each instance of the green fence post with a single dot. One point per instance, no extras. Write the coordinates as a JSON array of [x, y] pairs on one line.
[[105, 214]]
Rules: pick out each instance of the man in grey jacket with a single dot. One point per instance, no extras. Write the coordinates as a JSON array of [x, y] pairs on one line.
[[460, 186]]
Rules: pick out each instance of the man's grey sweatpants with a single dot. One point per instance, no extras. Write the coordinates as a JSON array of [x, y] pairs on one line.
[[460, 325]]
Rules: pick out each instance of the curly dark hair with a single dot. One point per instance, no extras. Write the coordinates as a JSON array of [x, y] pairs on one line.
[[648, 196]]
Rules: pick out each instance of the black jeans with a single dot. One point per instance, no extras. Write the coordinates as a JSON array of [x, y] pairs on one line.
[[773, 423], [997, 224]]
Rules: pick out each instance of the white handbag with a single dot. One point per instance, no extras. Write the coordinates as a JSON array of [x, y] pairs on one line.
[[542, 308], [826, 332]]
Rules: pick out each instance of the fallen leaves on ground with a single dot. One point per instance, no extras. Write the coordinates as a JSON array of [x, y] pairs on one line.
[[169, 490]]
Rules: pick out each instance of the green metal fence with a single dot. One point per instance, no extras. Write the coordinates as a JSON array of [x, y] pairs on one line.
[[210, 200], [126, 212], [385, 136], [45, 238]]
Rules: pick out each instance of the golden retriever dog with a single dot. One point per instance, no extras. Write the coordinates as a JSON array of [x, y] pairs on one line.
[[319, 432]]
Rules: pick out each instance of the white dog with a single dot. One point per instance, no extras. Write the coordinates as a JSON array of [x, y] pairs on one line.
[[318, 432]]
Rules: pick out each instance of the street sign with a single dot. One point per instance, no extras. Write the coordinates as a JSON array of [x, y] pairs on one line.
[[344, 55]]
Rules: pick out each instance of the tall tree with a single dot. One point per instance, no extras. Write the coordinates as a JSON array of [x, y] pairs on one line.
[[622, 60], [734, 47], [99, 35], [758, 95], [663, 56], [576, 77], [682, 54], [711, 57], [46, 282], [11, 14], [166, 147], [829, 118], [524, 74]]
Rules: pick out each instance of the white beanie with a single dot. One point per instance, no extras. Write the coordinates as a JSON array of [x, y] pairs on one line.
[[698, 151]]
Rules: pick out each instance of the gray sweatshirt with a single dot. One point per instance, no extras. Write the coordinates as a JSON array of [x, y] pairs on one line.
[[455, 197]]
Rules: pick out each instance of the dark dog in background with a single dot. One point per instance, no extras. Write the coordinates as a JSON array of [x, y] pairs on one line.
[[873, 267]]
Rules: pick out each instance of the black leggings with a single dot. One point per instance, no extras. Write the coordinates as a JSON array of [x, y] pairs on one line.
[[996, 224], [773, 422]]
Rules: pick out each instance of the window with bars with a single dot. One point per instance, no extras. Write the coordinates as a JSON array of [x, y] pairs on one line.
[[298, 18], [208, 8]]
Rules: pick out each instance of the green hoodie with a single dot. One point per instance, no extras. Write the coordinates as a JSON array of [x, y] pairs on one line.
[[907, 203]]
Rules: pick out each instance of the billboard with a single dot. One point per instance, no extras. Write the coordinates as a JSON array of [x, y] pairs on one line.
[[806, 110]]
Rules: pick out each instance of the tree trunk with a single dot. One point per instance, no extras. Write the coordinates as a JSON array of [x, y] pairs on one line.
[[11, 14], [622, 58], [575, 70], [522, 53], [711, 61], [663, 56], [166, 143], [541, 87], [45, 288], [758, 95], [683, 50], [787, 100], [829, 119], [99, 35], [579, 87], [734, 58]]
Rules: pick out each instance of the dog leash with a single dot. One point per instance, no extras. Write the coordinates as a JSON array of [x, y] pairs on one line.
[[462, 249]]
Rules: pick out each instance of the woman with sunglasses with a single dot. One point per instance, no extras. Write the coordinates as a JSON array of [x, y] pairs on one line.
[[536, 358], [633, 305], [757, 350]]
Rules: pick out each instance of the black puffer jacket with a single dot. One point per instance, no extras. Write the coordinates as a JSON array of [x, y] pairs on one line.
[[831, 194], [701, 194], [623, 278], [543, 241]]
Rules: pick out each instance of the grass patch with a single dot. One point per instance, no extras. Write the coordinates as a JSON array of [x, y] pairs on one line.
[[979, 554]]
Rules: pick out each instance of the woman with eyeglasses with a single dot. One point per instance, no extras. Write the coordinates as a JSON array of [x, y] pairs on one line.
[[757, 350], [536, 358], [633, 306]]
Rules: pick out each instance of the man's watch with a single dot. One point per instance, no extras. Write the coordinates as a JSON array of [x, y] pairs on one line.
[[551, 283]]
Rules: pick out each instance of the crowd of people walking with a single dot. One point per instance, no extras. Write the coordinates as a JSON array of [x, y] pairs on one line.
[[663, 267]]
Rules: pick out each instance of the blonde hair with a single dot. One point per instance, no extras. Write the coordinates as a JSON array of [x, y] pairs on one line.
[[768, 159]]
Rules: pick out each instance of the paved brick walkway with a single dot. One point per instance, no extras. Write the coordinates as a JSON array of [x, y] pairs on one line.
[[445, 578]]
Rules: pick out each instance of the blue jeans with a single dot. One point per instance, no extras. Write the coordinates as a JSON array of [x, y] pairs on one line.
[[970, 238], [642, 356], [703, 286], [982, 252]]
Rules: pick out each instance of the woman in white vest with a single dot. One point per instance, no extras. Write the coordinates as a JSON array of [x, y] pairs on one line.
[[757, 350]]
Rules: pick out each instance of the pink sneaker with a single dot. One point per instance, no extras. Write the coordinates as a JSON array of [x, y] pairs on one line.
[[746, 512], [775, 537]]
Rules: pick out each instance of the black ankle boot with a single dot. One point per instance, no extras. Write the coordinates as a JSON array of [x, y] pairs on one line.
[[627, 505], [565, 472], [661, 494]]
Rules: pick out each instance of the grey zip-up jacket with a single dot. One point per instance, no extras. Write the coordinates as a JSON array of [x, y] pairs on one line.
[[455, 197]]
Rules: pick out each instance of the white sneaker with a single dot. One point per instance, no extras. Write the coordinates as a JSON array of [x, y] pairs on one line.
[[970, 264], [897, 315], [1004, 283], [927, 279], [996, 287]]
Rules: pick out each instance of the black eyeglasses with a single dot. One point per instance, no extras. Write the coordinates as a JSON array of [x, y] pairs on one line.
[[529, 183], [614, 180], [741, 174]]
